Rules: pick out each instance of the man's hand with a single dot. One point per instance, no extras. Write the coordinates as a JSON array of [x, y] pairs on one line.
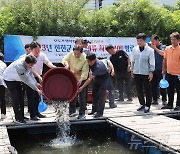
[[39, 92], [112, 73], [150, 76], [39, 86], [40, 79], [80, 89], [132, 74], [128, 68], [67, 66], [163, 71], [153, 46], [79, 82]]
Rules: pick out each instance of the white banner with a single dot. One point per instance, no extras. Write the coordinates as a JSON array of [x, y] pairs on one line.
[[56, 47]]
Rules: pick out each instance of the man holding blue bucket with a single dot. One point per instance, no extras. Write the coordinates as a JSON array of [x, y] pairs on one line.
[[171, 65], [17, 72], [157, 73]]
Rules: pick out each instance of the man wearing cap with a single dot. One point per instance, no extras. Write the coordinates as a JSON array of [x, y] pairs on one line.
[[78, 41], [85, 46], [77, 63]]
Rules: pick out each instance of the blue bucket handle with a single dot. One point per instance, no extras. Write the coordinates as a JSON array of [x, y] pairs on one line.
[[41, 98], [164, 77]]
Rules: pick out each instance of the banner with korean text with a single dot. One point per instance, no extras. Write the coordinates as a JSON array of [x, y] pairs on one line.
[[56, 47]]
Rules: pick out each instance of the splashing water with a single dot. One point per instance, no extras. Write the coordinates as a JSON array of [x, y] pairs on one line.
[[64, 138]]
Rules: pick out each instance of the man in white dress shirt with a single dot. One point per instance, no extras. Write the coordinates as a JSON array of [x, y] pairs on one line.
[[38, 69]]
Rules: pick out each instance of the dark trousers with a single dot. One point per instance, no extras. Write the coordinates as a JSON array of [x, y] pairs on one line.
[[31, 103], [142, 82], [34, 94], [36, 99], [16, 93], [110, 89], [157, 76], [33, 100], [124, 77], [99, 92], [174, 83], [36, 102], [82, 101], [2, 99]]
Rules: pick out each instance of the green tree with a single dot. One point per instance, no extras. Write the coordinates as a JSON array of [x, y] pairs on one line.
[[68, 18]]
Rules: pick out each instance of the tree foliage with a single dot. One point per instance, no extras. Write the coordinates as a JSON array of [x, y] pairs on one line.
[[68, 18]]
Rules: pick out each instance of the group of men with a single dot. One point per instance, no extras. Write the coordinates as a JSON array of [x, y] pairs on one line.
[[146, 66], [86, 67], [22, 75], [149, 63]]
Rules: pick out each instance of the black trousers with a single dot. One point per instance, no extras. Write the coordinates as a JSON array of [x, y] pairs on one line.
[[110, 89], [99, 92], [82, 101], [16, 93], [174, 83], [142, 82], [157, 76], [31, 100], [2, 99], [124, 77]]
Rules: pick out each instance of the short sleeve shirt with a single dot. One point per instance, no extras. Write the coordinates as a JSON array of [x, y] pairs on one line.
[[172, 56], [99, 69], [119, 61], [158, 58], [41, 59]]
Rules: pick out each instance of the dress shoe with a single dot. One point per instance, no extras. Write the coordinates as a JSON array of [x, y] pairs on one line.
[[120, 99], [113, 106], [73, 114], [164, 102], [129, 100], [167, 107], [146, 109], [141, 108], [20, 121], [177, 108], [81, 116], [91, 113], [26, 118], [35, 118], [3, 116], [97, 115], [41, 116], [154, 102]]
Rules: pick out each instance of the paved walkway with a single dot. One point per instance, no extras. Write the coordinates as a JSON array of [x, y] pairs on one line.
[[155, 125]]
